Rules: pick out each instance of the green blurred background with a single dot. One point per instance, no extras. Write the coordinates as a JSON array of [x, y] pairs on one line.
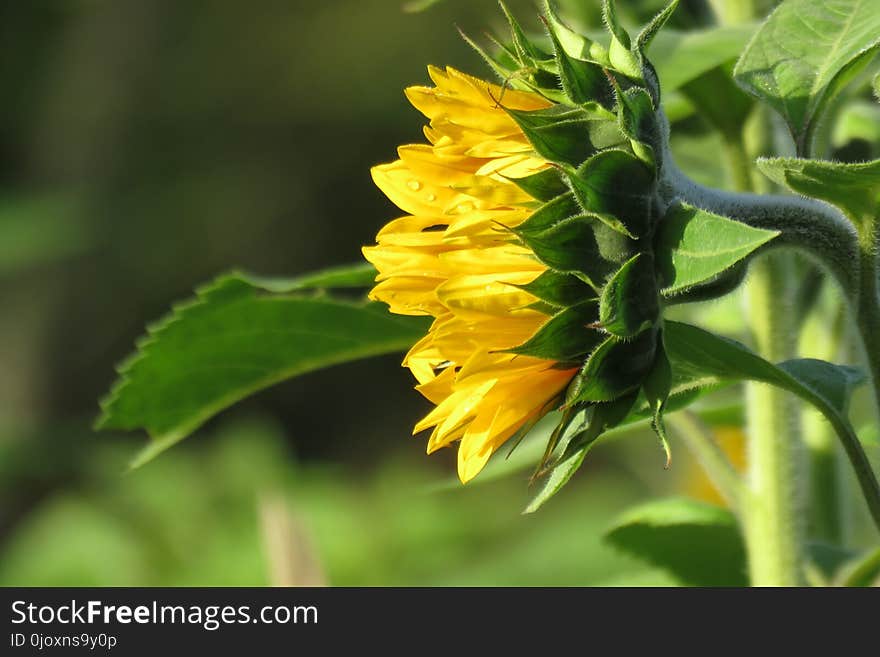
[[146, 146]]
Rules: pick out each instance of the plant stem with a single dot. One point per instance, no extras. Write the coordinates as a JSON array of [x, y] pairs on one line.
[[772, 516], [869, 299]]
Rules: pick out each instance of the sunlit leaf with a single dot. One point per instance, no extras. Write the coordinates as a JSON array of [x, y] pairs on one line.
[[803, 56], [693, 246], [238, 336]]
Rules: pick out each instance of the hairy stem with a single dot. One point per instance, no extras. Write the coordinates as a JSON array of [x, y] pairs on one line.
[[773, 518]]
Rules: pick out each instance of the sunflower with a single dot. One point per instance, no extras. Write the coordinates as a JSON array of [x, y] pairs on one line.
[[453, 257]]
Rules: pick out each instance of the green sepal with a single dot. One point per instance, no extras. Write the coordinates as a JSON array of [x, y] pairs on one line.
[[548, 215], [657, 386], [646, 36], [502, 71], [576, 444], [565, 338], [614, 369], [620, 54], [562, 134], [574, 43], [557, 289], [527, 51], [637, 120], [544, 185], [581, 80], [576, 246], [618, 187], [630, 302]]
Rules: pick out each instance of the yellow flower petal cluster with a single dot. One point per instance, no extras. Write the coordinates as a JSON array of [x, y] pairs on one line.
[[449, 257]]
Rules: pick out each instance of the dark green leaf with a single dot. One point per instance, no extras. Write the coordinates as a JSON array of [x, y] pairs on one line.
[[698, 543], [719, 101], [803, 56], [235, 338], [693, 246], [629, 302]]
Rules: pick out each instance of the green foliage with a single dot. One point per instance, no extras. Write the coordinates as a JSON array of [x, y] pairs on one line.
[[854, 188], [693, 246], [707, 359], [699, 544], [240, 335], [804, 54]]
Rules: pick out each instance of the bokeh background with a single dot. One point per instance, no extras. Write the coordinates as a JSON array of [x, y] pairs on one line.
[[147, 146]]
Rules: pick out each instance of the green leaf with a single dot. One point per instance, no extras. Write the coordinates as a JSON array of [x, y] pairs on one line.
[[565, 337], [693, 246], [719, 101], [877, 86], [854, 188], [709, 359], [805, 53], [360, 275], [629, 302], [237, 337], [698, 543]]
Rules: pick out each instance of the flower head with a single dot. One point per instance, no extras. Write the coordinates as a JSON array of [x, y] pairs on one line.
[[528, 236], [453, 257]]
